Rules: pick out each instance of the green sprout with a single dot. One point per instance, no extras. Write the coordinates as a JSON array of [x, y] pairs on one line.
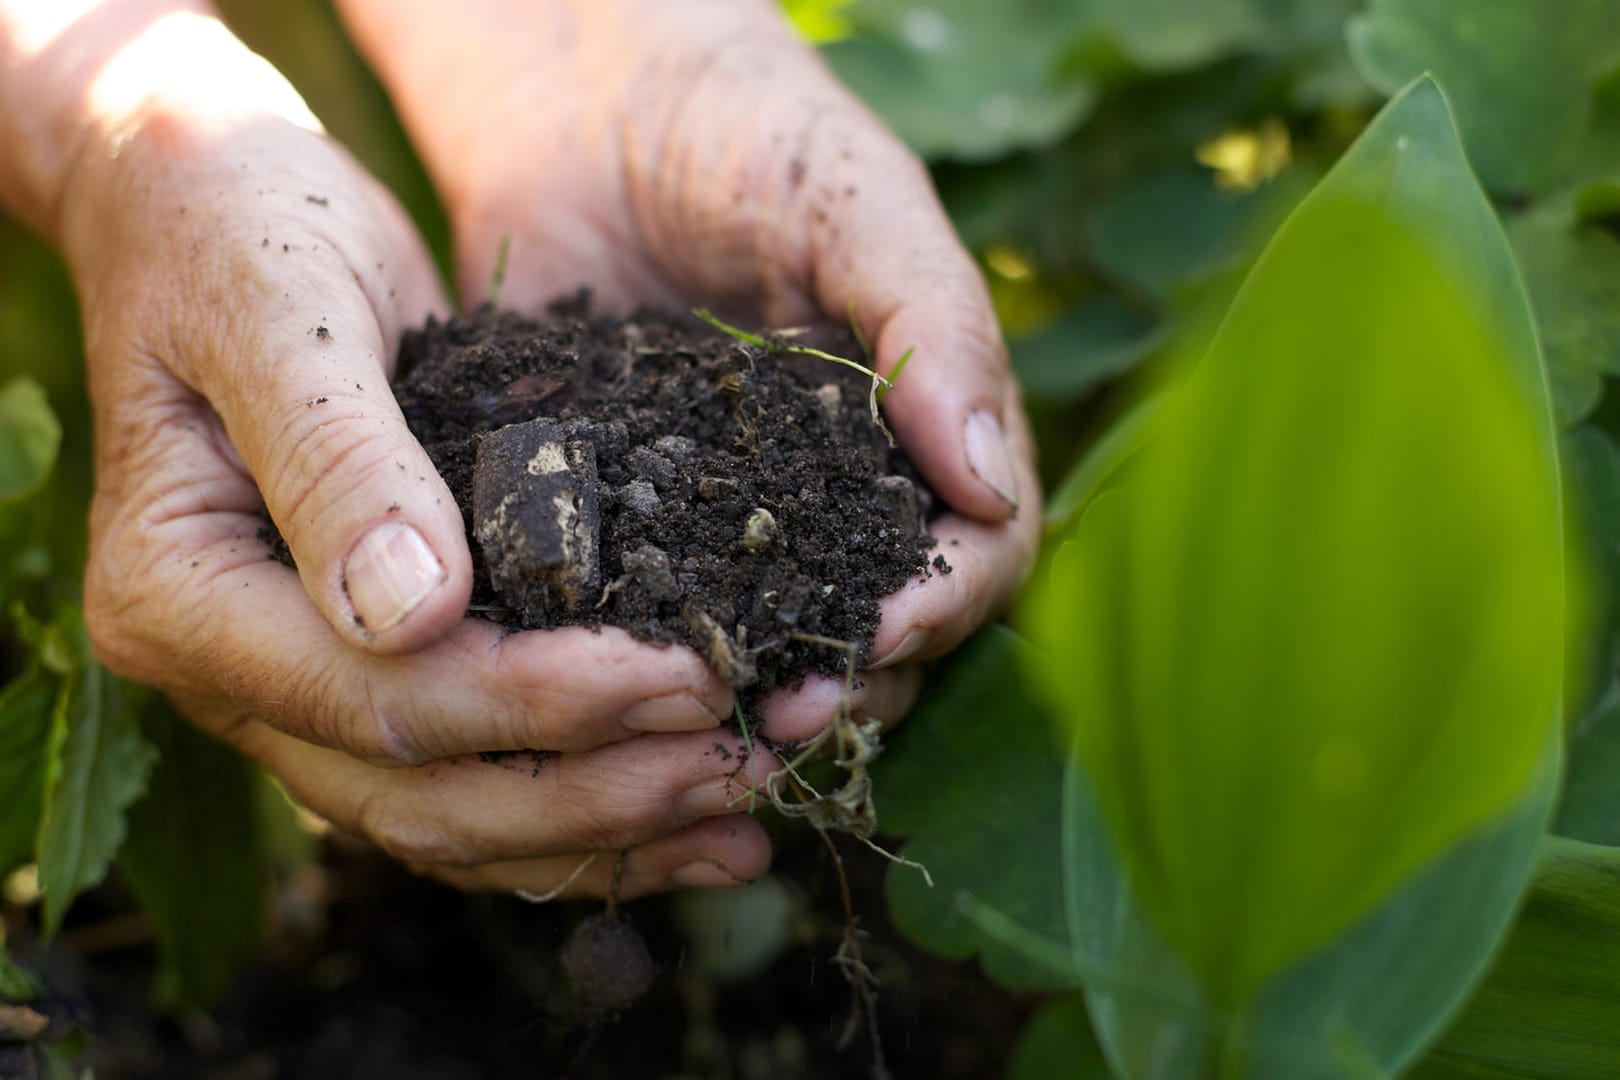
[[880, 386], [498, 278]]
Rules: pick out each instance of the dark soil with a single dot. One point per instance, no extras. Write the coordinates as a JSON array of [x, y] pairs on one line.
[[371, 973], [656, 474]]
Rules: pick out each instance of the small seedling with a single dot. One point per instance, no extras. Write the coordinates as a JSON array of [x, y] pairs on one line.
[[880, 392], [776, 345], [498, 277]]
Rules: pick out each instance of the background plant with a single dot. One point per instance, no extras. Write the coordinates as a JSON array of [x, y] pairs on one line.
[[1117, 165]]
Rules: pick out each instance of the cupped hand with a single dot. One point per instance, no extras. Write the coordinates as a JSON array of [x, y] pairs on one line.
[[244, 284], [699, 153]]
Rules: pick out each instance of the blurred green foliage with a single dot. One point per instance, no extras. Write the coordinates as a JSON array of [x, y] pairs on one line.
[[1315, 638], [1116, 165]]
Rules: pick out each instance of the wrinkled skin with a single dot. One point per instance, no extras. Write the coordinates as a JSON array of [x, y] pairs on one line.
[[653, 151]]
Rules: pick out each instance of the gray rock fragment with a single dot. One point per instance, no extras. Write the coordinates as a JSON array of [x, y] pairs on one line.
[[652, 568], [677, 448], [639, 496], [650, 465], [536, 514], [896, 497]]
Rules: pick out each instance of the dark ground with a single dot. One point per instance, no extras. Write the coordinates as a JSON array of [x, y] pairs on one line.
[[372, 973]]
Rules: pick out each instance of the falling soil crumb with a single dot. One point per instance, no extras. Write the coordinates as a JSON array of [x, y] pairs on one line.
[[941, 565], [654, 474], [533, 760]]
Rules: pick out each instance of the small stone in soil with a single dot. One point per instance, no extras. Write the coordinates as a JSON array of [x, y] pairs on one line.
[[535, 513]]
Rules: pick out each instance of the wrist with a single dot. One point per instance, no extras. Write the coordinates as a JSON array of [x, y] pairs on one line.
[[92, 78]]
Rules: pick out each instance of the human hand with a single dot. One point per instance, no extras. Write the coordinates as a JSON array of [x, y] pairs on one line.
[[699, 153], [243, 286]]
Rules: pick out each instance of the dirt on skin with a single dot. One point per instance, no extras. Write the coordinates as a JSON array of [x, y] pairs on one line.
[[656, 474]]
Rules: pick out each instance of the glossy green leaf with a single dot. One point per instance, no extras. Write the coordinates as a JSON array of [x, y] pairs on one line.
[[30, 436], [1550, 1008], [962, 79], [25, 752], [196, 858], [1102, 462], [1521, 74], [990, 830], [1095, 342], [1057, 1044], [105, 762], [1358, 1007], [1573, 273], [1316, 639]]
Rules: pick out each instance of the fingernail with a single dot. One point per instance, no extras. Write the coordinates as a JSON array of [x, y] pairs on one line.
[[704, 875], [719, 795], [388, 575], [987, 455], [909, 646], [671, 712]]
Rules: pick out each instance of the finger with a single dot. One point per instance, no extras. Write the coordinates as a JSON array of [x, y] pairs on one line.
[[468, 811], [477, 689], [301, 272], [794, 715], [716, 853], [930, 616], [180, 594]]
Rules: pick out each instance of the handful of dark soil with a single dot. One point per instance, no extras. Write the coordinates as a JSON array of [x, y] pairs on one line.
[[655, 474]]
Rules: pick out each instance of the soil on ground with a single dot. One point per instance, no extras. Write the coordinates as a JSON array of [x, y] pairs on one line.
[[656, 474], [370, 972]]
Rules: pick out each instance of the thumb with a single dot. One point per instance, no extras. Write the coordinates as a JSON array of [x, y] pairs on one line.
[[376, 534]]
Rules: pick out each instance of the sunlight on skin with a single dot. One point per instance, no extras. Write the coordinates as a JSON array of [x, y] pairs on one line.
[[33, 28], [189, 57]]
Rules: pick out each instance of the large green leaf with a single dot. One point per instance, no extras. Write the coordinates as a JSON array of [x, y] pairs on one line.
[[991, 829], [104, 766], [196, 858], [1550, 1008], [1361, 1006], [1315, 640], [1521, 74], [25, 746], [962, 79], [29, 438]]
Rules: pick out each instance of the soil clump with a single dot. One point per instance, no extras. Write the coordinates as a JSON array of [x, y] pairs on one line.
[[655, 474]]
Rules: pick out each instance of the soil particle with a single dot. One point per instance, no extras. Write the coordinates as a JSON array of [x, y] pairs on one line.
[[654, 474]]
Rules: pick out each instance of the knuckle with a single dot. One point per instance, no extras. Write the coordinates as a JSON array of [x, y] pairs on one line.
[[326, 464], [405, 836]]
